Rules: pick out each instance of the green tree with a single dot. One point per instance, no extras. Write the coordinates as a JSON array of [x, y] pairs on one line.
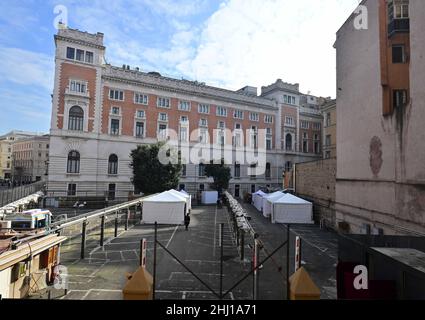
[[149, 174], [221, 175]]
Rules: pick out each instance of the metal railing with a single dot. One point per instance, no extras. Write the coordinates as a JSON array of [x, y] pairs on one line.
[[11, 195]]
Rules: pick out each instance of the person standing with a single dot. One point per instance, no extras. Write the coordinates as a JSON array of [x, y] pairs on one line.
[[187, 221]]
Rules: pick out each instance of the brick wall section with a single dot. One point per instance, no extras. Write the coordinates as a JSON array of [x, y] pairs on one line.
[[76, 72], [315, 181], [129, 108]]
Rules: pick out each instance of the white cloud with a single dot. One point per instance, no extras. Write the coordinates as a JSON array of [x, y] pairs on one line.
[[254, 42], [26, 68]]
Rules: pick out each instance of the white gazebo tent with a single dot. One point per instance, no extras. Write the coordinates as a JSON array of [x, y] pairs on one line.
[[164, 208], [268, 200], [291, 209], [185, 196], [257, 199]]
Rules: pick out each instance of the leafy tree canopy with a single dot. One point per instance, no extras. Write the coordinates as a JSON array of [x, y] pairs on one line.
[[221, 175], [149, 174]]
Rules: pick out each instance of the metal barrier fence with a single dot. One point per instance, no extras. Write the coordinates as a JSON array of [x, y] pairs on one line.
[[10, 195]]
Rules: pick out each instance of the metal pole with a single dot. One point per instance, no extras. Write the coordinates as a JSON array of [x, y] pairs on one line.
[[287, 262], [154, 261], [141, 253], [126, 219], [102, 230], [242, 245], [83, 239], [116, 226], [221, 259], [257, 271]]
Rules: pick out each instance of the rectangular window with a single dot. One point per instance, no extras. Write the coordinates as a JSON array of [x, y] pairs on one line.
[[204, 108], [89, 57], [221, 112], [116, 95], [184, 134], [304, 125], [328, 140], [399, 98], [268, 170], [115, 110], [237, 170], [317, 126], [115, 127], [184, 119], [398, 54], [70, 53], [163, 117], [268, 119], [184, 169], [111, 191], [238, 114], [163, 103], [203, 135], [78, 86], [201, 171], [305, 146], [289, 121], [140, 114], [328, 119], [268, 144], [254, 116], [72, 189], [140, 129], [80, 55], [221, 125], [203, 123], [140, 98], [184, 105], [162, 131]]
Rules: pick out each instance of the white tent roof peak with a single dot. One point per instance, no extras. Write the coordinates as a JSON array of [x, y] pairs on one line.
[[261, 193], [274, 194], [166, 197], [178, 193], [289, 198]]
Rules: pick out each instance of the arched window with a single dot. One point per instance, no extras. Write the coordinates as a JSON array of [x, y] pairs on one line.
[[73, 162], [76, 119], [288, 142], [113, 164]]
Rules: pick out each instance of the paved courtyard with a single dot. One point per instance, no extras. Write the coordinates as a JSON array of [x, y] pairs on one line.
[[102, 274]]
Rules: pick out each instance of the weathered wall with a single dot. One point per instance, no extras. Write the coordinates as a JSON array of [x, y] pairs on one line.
[[315, 181], [380, 158]]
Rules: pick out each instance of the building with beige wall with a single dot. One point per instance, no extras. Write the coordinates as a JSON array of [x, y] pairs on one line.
[[329, 129], [380, 184], [30, 158], [6, 142]]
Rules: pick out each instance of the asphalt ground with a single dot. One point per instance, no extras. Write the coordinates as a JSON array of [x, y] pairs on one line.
[[102, 274]]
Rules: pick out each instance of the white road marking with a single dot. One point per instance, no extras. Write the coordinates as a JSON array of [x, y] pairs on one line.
[[172, 236]]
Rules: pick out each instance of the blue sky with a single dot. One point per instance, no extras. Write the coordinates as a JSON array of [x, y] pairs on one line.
[[228, 43]]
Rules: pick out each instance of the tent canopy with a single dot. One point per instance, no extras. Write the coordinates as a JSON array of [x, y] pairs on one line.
[[268, 200], [165, 208], [166, 196], [290, 199], [185, 196], [291, 209]]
